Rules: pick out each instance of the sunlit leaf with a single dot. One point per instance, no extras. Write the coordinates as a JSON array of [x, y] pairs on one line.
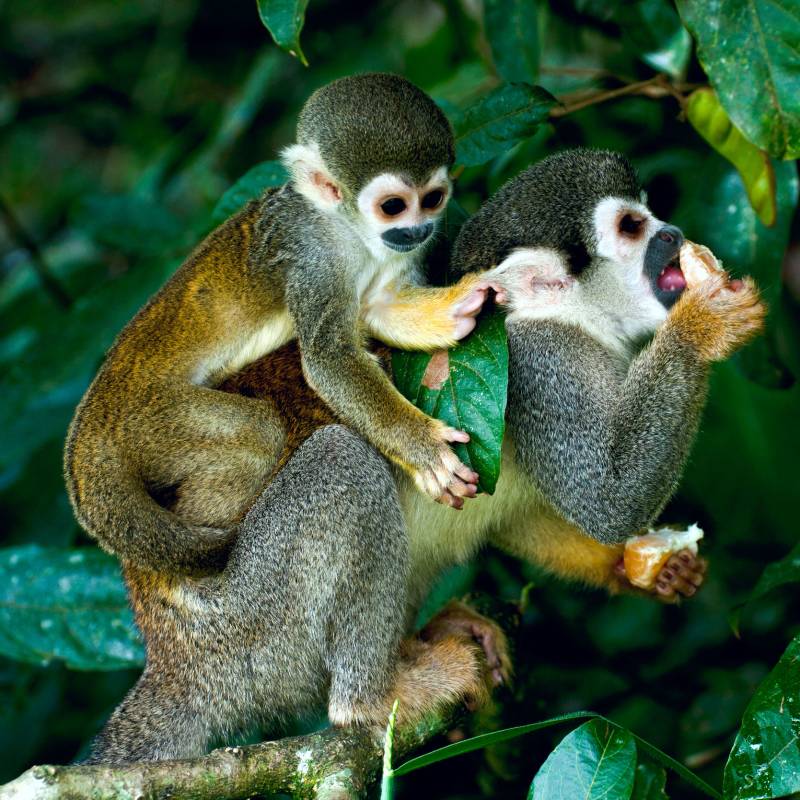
[[262, 176], [595, 761], [709, 119], [512, 30], [765, 759], [500, 119], [466, 388], [749, 50], [68, 605], [284, 19]]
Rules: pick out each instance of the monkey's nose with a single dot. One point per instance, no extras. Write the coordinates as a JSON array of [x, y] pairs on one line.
[[669, 234], [406, 237]]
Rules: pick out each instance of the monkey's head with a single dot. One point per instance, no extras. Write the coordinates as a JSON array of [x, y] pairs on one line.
[[586, 207], [376, 150]]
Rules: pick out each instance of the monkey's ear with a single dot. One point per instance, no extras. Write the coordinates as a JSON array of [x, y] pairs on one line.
[[311, 177]]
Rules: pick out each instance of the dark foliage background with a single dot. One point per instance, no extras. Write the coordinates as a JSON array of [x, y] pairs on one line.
[[122, 125]]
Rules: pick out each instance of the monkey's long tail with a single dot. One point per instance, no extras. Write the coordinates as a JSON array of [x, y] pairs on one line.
[[115, 508]]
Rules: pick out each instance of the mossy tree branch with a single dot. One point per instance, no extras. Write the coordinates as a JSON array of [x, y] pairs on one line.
[[333, 764]]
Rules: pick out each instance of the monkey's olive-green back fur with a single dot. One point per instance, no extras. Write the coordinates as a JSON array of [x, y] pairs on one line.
[[383, 124]]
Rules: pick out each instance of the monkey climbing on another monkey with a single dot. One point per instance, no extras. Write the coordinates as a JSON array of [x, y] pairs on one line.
[[330, 258], [315, 606]]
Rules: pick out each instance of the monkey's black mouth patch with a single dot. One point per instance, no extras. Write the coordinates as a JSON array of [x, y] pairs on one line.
[[662, 265], [404, 239]]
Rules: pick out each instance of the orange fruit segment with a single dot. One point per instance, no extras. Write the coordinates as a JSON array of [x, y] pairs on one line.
[[644, 556]]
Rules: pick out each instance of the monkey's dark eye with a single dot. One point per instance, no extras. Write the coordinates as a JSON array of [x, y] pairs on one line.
[[630, 225], [433, 199], [393, 206]]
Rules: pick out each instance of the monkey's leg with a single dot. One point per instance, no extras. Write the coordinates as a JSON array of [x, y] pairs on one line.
[[427, 317], [159, 718], [218, 453], [316, 581]]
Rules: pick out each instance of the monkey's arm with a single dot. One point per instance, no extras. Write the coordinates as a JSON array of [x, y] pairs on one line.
[[605, 447], [358, 391], [426, 317]]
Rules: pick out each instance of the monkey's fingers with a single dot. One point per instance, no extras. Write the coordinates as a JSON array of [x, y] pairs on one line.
[[447, 498], [453, 435], [681, 576], [467, 475]]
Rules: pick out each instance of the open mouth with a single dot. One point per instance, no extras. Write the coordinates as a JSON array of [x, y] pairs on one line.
[[671, 279]]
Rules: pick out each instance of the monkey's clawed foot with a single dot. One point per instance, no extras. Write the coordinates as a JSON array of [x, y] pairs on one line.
[[457, 618]]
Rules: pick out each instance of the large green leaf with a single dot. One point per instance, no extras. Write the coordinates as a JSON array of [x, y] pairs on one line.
[[262, 176], [512, 30], [749, 50], [466, 388], [507, 115], [765, 759], [284, 19], [68, 605], [595, 761]]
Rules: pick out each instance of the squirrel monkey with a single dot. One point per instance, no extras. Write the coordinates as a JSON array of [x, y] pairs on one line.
[[609, 362], [330, 258]]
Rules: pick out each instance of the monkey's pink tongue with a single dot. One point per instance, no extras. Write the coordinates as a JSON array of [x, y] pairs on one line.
[[671, 279]]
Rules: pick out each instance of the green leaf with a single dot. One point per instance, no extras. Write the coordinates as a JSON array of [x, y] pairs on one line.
[[467, 389], [284, 19], [387, 775], [513, 32], [765, 759], [650, 782], [653, 29], [595, 761], [485, 740], [708, 118], [508, 114], [749, 50], [496, 737], [263, 176], [787, 570], [69, 605]]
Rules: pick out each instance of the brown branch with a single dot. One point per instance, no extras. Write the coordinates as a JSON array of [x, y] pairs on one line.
[[335, 763], [655, 87]]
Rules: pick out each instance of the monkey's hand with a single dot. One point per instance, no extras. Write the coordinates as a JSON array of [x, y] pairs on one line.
[[427, 317], [442, 475], [680, 577], [719, 315]]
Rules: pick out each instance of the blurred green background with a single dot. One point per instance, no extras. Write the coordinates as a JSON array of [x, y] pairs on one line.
[[121, 127]]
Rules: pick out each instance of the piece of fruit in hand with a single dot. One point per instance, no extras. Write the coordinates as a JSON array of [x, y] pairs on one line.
[[698, 263], [645, 555]]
